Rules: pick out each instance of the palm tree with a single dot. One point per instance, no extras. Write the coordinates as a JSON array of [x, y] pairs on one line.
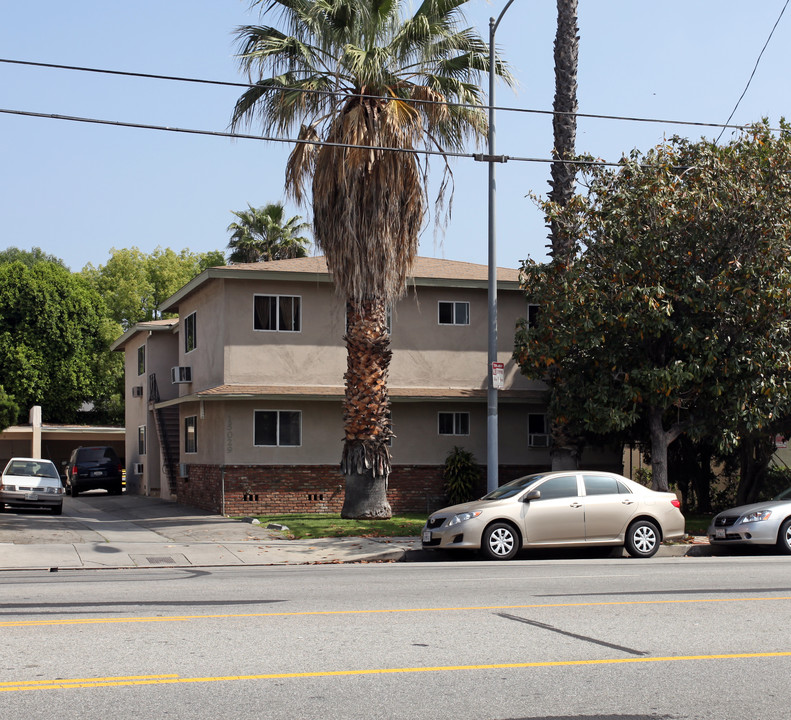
[[565, 449], [260, 235], [367, 87]]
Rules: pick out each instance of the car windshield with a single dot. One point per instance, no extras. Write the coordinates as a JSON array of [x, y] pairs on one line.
[[514, 487], [31, 468], [785, 495]]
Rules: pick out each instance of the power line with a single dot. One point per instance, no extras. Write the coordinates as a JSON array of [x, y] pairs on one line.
[[752, 74], [175, 78], [296, 141]]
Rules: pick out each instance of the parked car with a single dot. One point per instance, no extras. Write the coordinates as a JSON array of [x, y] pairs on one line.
[[92, 468], [761, 523], [31, 482], [559, 509]]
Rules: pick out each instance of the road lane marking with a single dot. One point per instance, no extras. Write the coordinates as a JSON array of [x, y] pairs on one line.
[[176, 680], [185, 618]]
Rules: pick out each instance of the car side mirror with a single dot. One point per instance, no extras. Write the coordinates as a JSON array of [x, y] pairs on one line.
[[532, 495]]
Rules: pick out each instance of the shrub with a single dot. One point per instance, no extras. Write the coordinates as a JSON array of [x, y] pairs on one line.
[[461, 475]]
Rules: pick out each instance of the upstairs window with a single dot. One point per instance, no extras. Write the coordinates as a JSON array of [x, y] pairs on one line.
[[277, 313], [454, 313], [537, 432], [141, 440], [190, 333], [141, 360]]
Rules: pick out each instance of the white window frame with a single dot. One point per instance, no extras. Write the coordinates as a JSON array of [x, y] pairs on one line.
[[454, 303], [190, 332], [277, 314], [277, 442], [142, 440], [456, 424], [194, 423]]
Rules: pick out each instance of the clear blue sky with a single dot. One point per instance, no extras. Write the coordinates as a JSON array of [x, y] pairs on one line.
[[78, 190]]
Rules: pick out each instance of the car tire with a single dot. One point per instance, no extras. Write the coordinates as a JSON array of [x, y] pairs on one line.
[[784, 538], [115, 490], [74, 492], [642, 539], [57, 509], [500, 541]]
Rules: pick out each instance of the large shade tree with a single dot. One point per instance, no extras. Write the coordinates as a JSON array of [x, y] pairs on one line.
[[366, 85], [676, 314], [263, 234]]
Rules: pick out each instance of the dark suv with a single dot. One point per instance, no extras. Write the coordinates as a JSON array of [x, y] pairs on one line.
[[92, 468]]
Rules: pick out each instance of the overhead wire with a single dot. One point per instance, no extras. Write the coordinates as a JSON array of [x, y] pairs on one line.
[[752, 74], [498, 108]]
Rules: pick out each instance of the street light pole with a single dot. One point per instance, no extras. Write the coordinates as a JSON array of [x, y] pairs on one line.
[[493, 458]]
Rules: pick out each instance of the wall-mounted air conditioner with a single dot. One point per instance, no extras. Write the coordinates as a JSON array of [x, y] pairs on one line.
[[138, 468], [180, 374], [137, 391], [538, 440]]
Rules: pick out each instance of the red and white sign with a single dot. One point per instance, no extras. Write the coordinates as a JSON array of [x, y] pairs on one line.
[[498, 375]]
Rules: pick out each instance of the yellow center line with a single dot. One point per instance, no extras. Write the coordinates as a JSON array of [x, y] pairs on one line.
[[175, 679], [184, 618]]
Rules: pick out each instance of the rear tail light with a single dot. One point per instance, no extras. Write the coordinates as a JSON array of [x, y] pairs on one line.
[[74, 470], [676, 503]]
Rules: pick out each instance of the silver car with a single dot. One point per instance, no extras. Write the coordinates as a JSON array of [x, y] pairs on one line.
[[31, 482], [559, 509], [762, 523]]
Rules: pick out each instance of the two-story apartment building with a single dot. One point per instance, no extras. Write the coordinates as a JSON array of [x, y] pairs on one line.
[[250, 381]]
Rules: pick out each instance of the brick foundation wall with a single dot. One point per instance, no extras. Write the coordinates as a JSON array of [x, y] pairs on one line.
[[276, 489]]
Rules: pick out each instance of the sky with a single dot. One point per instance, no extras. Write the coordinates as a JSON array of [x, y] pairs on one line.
[[78, 190]]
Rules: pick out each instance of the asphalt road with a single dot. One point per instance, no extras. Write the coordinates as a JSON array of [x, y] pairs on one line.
[[554, 639]]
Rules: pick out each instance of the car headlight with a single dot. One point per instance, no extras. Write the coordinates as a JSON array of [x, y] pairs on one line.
[[462, 517], [9, 488], [756, 516]]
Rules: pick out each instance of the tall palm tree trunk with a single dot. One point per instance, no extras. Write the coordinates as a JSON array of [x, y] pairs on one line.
[[366, 411], [565, 448]]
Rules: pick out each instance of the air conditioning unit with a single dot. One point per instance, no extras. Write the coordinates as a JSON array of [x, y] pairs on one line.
[[137, 391], [180, 374], [537, 440], [138, 468]]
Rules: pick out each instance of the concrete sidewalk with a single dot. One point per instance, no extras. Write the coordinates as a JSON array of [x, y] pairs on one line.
[[129, 531]]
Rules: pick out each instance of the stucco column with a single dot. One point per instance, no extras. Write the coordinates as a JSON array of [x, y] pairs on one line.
[[35, 423]]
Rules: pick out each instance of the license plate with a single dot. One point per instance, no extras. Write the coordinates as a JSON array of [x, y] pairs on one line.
[[31, 496], [97, 473], [719, 533], [426, 536]]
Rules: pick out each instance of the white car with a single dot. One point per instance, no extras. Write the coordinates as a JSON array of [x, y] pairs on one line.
[[31, 482]]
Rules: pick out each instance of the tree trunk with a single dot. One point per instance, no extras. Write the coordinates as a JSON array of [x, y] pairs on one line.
[[365, 462], [565, 449], [755, 456], [660, 440]]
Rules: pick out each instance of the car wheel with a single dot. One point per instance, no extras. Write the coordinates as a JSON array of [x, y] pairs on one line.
[[115, 490], [500, 542], [57, 509], [784, 538], [73, 491], [642, 539]]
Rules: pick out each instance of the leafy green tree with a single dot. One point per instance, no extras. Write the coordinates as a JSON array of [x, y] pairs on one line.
[[9, 410], [676, 311], [28, 257], [360, 79], [134, 283], [53, 328], [262, 234]]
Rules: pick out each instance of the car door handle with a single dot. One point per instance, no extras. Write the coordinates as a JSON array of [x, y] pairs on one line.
[[627, 502], [576, 505]]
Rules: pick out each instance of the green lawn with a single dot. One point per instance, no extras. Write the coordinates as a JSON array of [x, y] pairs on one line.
[[307, 525]]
